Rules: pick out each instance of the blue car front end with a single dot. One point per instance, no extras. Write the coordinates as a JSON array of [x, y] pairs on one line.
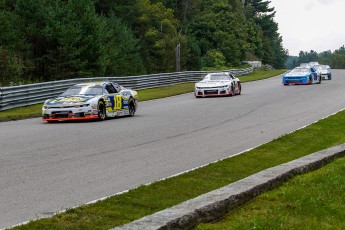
[[296, 80]]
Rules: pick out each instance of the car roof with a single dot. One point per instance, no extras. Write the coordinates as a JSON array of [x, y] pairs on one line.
[[218, 74], [101, 83], [303, 67]]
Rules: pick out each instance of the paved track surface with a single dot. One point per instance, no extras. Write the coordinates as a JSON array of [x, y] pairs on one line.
[[45, 168]]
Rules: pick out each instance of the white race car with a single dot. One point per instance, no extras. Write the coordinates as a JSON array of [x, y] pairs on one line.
[[94, 100], [218, 84], [326, 72]]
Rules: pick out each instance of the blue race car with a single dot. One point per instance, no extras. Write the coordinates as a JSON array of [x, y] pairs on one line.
[[305, 75]]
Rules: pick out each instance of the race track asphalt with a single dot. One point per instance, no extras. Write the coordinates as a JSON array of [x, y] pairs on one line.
[[45, 168]]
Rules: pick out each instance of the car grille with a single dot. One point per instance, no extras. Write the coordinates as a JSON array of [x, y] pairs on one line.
[[79, 115], [66, 114], [206, 92], [60, 114], [293, 81]]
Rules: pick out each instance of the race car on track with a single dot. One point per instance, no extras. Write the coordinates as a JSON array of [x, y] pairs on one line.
[[302, 76], [326, 72], [218, 84], [94, 100]]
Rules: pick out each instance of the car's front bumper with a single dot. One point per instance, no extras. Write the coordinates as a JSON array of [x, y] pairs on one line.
[[212, 92], [296, 81], [327, 76], [63, 114]]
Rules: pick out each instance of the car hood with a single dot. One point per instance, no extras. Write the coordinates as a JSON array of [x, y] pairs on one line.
[[212, 83], [299, 74], [69, 100]]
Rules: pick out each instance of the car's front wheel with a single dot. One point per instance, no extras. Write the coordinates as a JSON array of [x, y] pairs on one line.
[[233, 93], [101, 111], [239, 88], [131, 107], [310, 79], [319, 82]]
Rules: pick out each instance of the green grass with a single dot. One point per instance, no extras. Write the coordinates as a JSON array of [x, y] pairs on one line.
[[144, 95], [311, 201], [21, 113], [260, 75], [145, 200]]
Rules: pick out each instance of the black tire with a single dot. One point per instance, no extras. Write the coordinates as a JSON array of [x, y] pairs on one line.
[[239, 88], [311, 79], [131, 107], [319, 82], [102, 114], [233, 93]]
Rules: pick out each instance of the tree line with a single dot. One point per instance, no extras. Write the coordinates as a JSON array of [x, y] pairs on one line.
[[45, 40], [335, 59]]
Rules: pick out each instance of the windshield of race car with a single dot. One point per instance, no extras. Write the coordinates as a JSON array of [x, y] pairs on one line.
[[84, 90], [217, 78], [299, 70]]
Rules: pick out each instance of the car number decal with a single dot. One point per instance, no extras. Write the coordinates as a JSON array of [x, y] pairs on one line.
[[118, 102]]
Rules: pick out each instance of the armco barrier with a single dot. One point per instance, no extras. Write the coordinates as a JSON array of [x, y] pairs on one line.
[[23, 95]]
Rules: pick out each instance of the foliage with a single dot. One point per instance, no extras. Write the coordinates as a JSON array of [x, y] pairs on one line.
[[260, 14], [11, 66], [213, 58], [124, 51], [336, 59], [292, 62], [52, 39]]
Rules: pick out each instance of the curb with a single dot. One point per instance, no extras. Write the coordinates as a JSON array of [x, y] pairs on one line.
[[214, 205]]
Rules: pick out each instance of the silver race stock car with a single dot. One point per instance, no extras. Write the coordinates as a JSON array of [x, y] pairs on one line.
[[218, 84], [94, 100]]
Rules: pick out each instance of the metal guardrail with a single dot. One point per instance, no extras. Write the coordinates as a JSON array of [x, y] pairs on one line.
[[23, 95]]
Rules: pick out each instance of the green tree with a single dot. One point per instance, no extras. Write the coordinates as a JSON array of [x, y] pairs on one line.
[[263, 15], [213, 59], [12, 48], [11, 67], [157, 29], [338, 61], [341, 50], [255, 38], [123, 50], [325, 57], [67, 38], [220, 26]]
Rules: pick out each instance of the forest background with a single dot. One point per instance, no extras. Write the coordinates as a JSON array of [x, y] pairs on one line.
[[47, 40]]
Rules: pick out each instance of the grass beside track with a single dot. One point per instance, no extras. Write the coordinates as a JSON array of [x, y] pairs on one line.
[[147, 199], [311, 201], [144, 95]]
